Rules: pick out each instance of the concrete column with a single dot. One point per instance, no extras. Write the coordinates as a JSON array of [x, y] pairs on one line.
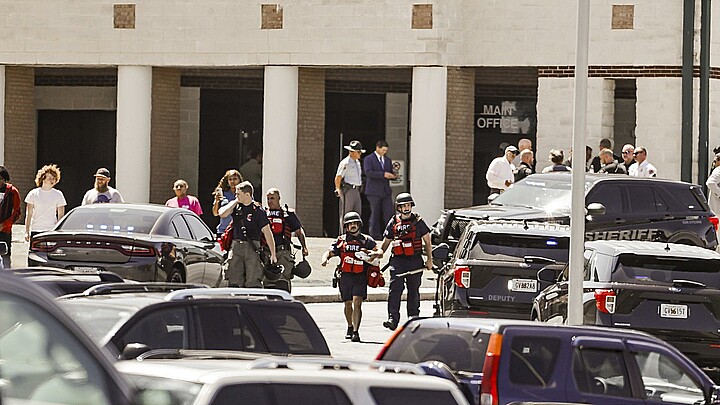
[[280, 113], [601, 113], [554, 117], [134, 109], [427, 140], [2, 115]]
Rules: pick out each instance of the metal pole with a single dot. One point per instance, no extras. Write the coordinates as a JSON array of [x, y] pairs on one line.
[[686, 152], [577, 213], [703, 149]]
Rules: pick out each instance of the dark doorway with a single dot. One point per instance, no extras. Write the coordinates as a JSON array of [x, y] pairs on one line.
[[79, 142], [348, 116], [499, 122], [231, 123]]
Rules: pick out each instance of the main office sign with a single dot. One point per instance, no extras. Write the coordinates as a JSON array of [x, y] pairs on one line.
[[502, 116]]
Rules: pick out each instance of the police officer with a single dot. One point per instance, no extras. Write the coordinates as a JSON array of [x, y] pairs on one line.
[[406, 232], [250, 223], [283, 224], [353, 278], [348, 180]]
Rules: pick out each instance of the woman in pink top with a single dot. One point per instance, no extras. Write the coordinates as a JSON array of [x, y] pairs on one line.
[[182, 199]]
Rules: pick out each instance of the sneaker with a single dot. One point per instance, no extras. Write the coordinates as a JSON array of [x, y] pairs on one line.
[[390, 324], [349, 333], [355, 337]]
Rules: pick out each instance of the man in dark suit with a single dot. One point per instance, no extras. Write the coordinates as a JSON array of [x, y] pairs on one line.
[[379, 172]]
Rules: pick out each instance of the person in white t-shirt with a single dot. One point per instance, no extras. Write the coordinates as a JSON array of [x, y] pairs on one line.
[[45, 204]]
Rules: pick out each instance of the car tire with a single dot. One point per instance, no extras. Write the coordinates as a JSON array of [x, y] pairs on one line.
[[176, 275]]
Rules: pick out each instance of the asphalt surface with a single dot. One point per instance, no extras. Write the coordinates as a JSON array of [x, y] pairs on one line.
[[317, 288]]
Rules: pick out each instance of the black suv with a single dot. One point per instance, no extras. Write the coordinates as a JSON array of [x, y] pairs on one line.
[[629, 208], [671, 291], [493, 272], [130, 319]]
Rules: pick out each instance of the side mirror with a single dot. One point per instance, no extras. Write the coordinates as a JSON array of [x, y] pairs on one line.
[[441, 252], [595, 209], [547, 274], [492, 197], [133, 350], [3, 248]]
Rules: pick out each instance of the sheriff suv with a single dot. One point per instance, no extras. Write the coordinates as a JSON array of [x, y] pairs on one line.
[[493, 272], [619, 208], [671, 291]]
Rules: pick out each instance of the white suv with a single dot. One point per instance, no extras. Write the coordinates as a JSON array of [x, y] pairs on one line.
[[276, 380]]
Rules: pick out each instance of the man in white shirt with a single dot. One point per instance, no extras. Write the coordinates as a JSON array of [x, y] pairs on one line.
[[499, 175], [102, 192], [713, 185], [641, 167]]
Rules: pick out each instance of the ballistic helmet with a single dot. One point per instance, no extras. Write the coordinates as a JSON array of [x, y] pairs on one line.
[[302, 269], [404, 198], [351, 217], [273, 271]]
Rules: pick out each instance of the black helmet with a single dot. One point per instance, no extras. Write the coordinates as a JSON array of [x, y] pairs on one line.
[[273, 271], [351, 217], [302, 269], [404, 198]]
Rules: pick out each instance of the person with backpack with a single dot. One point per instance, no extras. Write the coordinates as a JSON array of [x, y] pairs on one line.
[[250, 224], [407, 232], [284, 223], [353, 248]]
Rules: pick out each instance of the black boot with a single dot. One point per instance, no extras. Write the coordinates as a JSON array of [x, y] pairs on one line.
[[349, 333], [390, 324], [355, 337]]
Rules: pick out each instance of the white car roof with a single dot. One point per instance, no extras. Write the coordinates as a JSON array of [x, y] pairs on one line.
[[214, 374], [645, 248]]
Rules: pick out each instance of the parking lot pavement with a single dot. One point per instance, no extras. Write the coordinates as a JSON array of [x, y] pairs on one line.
[[373, 335], [316, 288]]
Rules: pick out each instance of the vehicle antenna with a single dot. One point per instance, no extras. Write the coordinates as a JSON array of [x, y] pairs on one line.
[[667, 247]]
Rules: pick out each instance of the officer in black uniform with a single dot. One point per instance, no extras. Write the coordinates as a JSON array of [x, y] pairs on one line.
[[284, 223], [250, 224], [353, 278], [406, 232]]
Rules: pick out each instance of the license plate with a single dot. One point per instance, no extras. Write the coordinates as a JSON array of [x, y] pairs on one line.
[[523, 285], [83, 269], [673, 311]]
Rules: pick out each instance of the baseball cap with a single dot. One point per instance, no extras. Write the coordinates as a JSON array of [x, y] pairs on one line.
[[512, 149], [102, 172]]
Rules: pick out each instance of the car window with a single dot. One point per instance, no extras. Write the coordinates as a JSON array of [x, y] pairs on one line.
[[459, 349], [642, 199], [96, 319], [410, 396], [198, 228], [552, 195], [180, 227], [532, 359], [277, 394], [158, 390], [659, 269], [287, 328], [42, 362], [160, 329], [224, 327], [601, 372], [113, 220], [515, 246], [666, 381], [609, 195]]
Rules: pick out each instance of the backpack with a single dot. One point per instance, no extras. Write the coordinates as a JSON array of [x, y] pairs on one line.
[[227, 238]]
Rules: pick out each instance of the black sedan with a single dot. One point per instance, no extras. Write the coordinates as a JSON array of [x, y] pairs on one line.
[[142, 242]]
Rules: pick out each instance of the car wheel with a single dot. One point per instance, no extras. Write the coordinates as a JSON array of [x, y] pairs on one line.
[[176, 276]]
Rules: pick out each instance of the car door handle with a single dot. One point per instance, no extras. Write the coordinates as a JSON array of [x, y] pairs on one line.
[[619, 221]]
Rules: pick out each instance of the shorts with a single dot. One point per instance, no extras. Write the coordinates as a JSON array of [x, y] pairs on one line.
[[353, 285]]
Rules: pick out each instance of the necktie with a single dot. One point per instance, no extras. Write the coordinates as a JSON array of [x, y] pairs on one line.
[[382, 162]]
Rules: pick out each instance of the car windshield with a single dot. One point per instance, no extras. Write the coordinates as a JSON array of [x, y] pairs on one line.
[[658, 269], [461, 350], [549, 195], [110, 220], [159, 390], [97, 320]]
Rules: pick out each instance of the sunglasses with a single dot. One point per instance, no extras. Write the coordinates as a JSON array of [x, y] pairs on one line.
[[626, 152], [637, 153]]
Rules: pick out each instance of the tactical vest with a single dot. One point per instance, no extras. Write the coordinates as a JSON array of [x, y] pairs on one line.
[[350, 263], [279, 224], [406, 242]]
